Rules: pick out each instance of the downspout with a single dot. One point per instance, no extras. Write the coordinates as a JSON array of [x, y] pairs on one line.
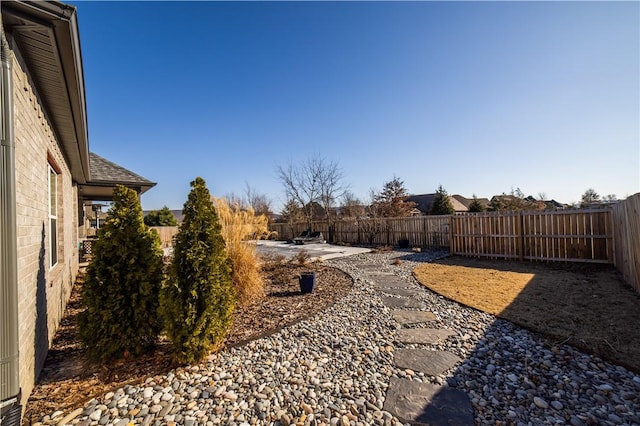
[[10, 408]]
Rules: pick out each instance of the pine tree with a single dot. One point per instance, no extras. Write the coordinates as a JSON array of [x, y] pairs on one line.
[[441, 203], [476, 206], [392, 200], [122, 284], [197, 300], [162, 217]]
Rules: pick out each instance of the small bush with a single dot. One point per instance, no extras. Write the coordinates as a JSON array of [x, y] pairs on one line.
[[301, 258], [197, 301], [271, 261], [382, 249], [122, 284], [239, 226]]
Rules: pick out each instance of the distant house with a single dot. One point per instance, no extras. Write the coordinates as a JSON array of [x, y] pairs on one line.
[[47, 176], [549, 204], [484, 202], [425, 201]]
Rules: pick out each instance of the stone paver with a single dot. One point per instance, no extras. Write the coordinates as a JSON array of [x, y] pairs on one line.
[[383, 282], [428, 404], [372, 269], [425, 336], [411, 317], [402, 302], [404, 292], [429, 362]]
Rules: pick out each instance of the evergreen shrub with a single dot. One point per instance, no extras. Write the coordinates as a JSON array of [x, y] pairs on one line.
[[197, 300], [122, 284]]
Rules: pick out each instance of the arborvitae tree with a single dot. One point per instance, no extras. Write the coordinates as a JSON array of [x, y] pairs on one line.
[[476, 206], [162, 217], [441, 203], [122, 284], [197, 300]]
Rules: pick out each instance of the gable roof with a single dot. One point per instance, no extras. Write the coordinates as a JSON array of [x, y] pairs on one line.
[[425, 201], [46, 33], [467, 201], [47, 36], [105, 175]]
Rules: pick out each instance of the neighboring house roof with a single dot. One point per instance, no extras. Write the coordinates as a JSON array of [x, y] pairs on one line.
[[467, 201], [425, 201], [47, 36], [105, 175]]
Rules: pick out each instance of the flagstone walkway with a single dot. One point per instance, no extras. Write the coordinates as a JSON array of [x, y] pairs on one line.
[[412, 401]]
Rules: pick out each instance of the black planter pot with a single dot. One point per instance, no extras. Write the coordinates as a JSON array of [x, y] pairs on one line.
[[307, 281], [403, 243]]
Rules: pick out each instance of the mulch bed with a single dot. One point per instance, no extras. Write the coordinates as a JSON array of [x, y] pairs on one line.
[[69, 379]]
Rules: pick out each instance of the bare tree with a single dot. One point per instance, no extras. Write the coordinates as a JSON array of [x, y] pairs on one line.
[[514, 201], [291, 214], [374, 223], [260, 202], [589, 198], [351, 206], [314, 181]]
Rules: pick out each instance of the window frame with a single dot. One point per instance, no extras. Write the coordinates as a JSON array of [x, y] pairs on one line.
[[53, 192]]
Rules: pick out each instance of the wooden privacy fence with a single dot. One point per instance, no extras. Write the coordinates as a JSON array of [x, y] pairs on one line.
[[166, 234], [584, 235], [569, 236], [421, 231], [626, 220], [609, 235]]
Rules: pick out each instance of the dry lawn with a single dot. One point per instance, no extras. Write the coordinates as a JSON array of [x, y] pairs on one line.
[[587, 306]]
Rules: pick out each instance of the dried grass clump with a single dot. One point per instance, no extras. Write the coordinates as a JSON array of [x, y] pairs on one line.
[[301, 258], [382, 249], [239, 226], [271, 261]]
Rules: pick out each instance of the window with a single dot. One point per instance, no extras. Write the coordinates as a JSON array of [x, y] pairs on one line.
[[53, 217]]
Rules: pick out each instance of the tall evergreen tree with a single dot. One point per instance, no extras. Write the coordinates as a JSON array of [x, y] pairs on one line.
[[122, 283], [392, 200], [162, 217], [197, 300], [441, 203], [476, 206]]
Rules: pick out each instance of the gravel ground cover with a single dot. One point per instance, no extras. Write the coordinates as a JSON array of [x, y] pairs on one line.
[[335, 367]]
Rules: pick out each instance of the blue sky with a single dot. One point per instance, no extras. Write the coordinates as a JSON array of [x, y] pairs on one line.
[[480, 97]]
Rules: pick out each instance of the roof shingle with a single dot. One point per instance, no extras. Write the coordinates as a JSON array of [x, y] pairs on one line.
[[103, 170]]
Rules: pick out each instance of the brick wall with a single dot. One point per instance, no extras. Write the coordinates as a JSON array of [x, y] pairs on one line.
[[42, 291]]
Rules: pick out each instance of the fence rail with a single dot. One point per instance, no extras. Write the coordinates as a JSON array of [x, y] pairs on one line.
[[626, 220]]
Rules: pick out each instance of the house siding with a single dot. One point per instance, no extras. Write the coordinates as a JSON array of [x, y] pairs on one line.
[[43, 292]]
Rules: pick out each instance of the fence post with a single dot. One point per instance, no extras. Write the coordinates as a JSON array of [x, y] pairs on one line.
[[451, 244], [521, 239]]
